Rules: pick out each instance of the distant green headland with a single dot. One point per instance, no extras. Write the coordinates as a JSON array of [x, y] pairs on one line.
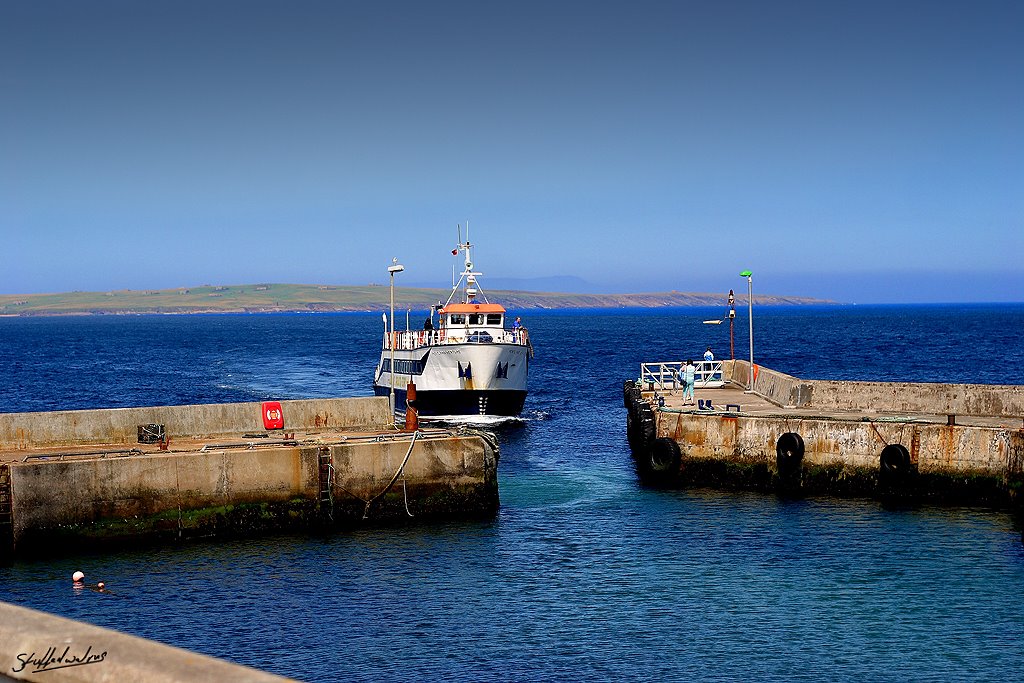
[[283, 298]]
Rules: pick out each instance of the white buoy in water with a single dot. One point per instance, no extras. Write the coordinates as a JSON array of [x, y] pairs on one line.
[[78, 577]]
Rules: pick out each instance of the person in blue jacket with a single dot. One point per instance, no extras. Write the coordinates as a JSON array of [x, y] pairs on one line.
[[689, 374]]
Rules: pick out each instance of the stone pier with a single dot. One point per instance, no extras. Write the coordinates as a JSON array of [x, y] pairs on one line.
[[75, 479], [920, 441]]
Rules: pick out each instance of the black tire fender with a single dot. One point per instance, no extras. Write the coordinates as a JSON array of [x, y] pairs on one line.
[[894, 458], [789, 452], [631, 428], [646, 428], [661, 462]]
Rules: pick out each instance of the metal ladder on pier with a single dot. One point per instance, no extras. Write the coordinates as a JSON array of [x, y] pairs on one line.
[[6, 516], [326, 476]]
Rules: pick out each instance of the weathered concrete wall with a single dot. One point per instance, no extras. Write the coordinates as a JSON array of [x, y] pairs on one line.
[[870, 397], [51, 493], [932, 447], [845, 453], [911, 397], [452, 477], [779, 388], [21, 431], [205, 493], [363, 467], [40, 647]]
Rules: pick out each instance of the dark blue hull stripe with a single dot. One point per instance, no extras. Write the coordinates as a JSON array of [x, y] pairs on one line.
[[460, 401]]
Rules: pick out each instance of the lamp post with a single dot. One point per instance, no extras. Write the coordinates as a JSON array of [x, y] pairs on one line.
[[395, 267], [732, 319], [750, 316]]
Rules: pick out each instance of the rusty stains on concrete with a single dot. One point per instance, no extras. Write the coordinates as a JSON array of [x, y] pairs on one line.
[[976, 456], [240, 483]]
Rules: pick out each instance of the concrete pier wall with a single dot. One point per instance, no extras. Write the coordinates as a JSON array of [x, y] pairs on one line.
[[240, 491], [43, 648], [868, 397], [870, 439], [932, 447], [21, 431]]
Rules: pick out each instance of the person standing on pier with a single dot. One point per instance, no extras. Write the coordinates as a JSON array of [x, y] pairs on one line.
[[709, 368], [689, 374]]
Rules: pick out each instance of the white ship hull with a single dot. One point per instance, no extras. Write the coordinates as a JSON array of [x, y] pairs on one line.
[[457, 378]]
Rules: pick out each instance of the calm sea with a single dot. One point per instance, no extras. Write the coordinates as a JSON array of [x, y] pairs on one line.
[[584, 574]]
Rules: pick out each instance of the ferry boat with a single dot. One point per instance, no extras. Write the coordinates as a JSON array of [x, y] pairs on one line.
[[473, 362]]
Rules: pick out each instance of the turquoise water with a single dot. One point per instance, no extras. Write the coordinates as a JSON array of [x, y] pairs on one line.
[[584, 574]]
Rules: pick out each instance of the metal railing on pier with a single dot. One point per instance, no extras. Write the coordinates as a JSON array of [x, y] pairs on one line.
[[669, 376]]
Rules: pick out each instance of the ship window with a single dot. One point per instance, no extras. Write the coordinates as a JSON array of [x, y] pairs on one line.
[[476, 319], [494, 318], [403, 366], [457, 319]]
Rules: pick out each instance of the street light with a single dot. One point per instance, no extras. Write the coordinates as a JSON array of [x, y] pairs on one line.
[[732, 319], [750, 316], [395, 267]]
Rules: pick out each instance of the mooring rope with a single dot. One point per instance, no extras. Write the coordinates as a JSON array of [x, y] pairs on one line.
[[401, 469], [879, 434], [405, 497], [177, 493], [330, 491]]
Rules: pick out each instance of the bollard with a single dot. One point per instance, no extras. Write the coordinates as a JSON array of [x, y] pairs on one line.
[[411, 414]]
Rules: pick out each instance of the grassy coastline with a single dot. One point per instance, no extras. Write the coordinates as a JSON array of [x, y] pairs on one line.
[[283, 298]]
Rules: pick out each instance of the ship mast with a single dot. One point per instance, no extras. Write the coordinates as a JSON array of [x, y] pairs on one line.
[[468, 277]]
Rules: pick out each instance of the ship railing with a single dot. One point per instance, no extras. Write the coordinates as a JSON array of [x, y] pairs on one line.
[[668, 376], [410, 340]]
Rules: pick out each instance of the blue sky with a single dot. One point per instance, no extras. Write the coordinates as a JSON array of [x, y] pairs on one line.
[[863, 152]]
